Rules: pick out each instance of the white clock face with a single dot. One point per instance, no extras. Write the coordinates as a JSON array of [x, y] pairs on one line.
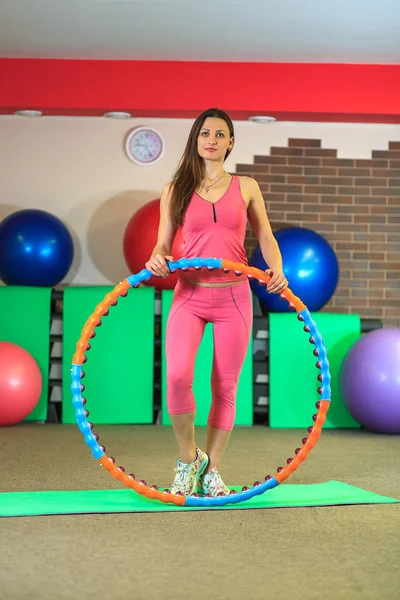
[[145, 146]]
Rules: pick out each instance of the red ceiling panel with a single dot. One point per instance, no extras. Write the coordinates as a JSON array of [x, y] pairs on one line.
[[296, 91]]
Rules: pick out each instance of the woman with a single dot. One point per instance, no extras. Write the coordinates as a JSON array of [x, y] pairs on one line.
[[211, 206]]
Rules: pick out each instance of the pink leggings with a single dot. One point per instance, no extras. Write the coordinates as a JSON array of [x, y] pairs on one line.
[[230, 310]]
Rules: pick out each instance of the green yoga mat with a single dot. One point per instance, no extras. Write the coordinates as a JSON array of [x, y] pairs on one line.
[[29, 504], [25, 320], [202, 376], [119, 371], [293, 375]]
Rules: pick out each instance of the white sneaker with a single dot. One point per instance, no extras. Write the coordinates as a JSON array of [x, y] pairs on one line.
[[187, 475], [211, 484]]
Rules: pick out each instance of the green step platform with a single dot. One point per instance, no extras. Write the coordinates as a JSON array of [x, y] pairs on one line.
[[119, 371], [293, 375], [25, 320]]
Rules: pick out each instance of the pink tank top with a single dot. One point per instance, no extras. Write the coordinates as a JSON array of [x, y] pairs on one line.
[[215, 230]]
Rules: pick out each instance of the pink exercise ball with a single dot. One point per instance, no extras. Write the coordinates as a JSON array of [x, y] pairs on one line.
[[20, 383], [140, 238]]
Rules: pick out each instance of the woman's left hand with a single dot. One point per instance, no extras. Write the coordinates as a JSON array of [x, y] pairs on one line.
[[277, 283]]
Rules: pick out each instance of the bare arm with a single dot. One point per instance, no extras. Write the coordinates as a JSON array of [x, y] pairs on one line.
[[259, 221], [157, 264]]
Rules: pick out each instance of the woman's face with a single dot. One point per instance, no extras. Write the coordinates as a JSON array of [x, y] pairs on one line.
[[214, 140]]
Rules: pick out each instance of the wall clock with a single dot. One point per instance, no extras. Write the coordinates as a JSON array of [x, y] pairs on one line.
[[145, 146]]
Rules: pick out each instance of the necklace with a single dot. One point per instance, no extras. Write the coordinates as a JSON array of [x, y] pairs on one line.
[[207, 187]]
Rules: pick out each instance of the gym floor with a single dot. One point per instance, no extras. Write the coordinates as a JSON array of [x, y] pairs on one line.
[[340, 552]]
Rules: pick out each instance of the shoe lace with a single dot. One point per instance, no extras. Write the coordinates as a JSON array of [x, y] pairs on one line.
[[216, 483], [179, 478]]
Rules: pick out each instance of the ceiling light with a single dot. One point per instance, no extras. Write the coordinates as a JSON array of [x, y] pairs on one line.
[[28, 113], [116, 114], [262, 119]]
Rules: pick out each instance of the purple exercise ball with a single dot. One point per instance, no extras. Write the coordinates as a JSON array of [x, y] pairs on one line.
[[370, 381]]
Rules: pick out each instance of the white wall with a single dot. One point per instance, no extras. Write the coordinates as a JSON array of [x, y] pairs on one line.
[[76, 168]]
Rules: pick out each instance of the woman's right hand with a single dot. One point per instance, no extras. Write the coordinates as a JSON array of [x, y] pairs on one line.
[[157, 265]]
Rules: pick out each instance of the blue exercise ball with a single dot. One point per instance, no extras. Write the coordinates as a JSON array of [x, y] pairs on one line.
[[309, 264], [36, 249]]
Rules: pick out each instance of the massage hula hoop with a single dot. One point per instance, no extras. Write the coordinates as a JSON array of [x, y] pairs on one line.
[[99, 452]]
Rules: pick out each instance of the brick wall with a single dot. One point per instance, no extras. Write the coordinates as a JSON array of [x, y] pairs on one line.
[[354, 204]]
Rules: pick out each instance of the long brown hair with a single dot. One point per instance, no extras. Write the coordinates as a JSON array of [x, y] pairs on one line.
[[190, 171]]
